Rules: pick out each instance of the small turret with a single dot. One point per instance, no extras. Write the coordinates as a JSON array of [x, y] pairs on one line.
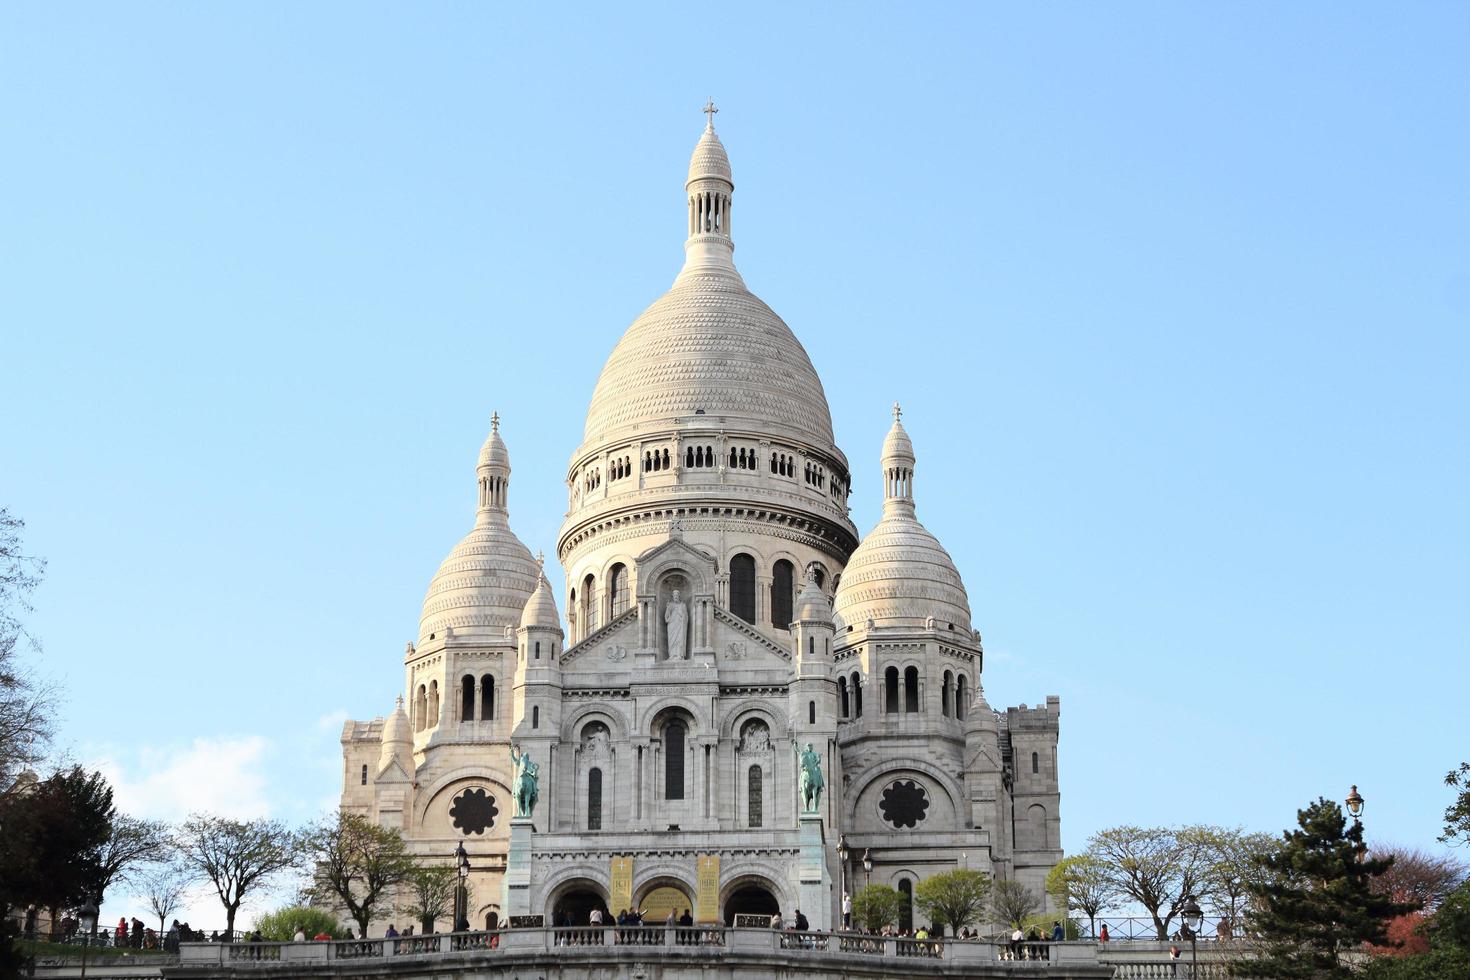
[[812, 632], [397, 741]]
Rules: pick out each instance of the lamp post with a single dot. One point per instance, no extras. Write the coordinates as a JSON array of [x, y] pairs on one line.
[[842, 853], [86, 920], [461, 897], [1193, 919], [868, 867], [1354, 803]]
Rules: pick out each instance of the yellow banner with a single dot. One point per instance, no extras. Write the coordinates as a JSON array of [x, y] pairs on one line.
[[707, 879], [621, 877]]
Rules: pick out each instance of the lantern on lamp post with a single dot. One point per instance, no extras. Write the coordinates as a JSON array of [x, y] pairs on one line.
[[1193, 919]]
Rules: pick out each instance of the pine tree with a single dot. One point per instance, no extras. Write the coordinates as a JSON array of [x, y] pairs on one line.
[[1316, 900]]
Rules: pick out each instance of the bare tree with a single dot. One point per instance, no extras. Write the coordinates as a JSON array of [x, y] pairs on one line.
[[1418, 877], [1012, 903], [26, 703], [1232, 865], [356, 862], [1157, 867], [164, 888], [237, 857], [131, 843]]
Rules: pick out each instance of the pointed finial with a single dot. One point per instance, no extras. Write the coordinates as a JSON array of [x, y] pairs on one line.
[[710, 110], [494, 421], [540, 558], [897, 412], [400, 702]]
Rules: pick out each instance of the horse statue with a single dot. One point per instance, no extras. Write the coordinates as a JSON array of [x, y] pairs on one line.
[[811, 778], [523, 784]]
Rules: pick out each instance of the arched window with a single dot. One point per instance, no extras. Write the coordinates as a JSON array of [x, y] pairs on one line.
[[755, 808], [364, 775], [819, 575], [857, 694], [538, 649], [674, 760], [487, 697], [420, 708], [589, 608], [594, 799], [944, 694], [742, 587], [906, 911], [617, 587], [535, 716], [844, 704], [911, 690], [811, 712], [467, 698], [890, 691], [433, 718], [689, 458], [782, 576], [960, 699], [1035, 763]]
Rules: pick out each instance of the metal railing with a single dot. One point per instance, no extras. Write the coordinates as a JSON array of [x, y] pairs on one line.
[[1141, 928]]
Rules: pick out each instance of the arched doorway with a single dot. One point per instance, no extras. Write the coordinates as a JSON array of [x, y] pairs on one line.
[[751, 899], [662, 896], [577, 902]]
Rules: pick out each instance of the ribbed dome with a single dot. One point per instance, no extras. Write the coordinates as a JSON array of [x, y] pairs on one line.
[[899, 576], [811, 604], [482, 586], [710, 159], [494, 451], [709, 343]]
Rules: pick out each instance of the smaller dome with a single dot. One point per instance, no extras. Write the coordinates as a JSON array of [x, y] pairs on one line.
[[710, 160], [811, 603], [540, 611], [396, 728], [897, 447], [494, 452]]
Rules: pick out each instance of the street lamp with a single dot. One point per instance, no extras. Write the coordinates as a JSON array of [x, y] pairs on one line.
[[868, 866], [86, 919], [1354, 803], [842, 853], [1193, 919], [461, 897]]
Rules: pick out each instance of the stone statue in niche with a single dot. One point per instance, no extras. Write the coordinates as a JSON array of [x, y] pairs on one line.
[[755, 737], [676, 622], [595, 741]]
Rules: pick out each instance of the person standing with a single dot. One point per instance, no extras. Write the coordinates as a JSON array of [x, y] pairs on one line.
[[846, 911], [1102, 934]]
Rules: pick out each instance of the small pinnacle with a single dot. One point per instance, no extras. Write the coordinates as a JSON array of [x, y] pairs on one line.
[[710, 110], [540, 559], [897, 412], [494, 421]]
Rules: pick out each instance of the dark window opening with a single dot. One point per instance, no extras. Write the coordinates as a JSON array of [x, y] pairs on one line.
[[467, 699], [911, 689], [890, 691], [742, 587], [594, 799], [782, 581], [674, 760], [755, 809]]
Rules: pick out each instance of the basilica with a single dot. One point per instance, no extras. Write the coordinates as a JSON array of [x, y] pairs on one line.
[[725, 626]]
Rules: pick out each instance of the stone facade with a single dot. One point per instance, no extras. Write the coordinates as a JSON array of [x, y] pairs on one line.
[[722, 613]]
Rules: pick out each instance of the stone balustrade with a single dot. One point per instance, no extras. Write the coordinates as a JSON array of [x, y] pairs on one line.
[[740, 953]]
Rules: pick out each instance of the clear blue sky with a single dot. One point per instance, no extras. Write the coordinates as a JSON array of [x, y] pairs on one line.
[[1175, 298]]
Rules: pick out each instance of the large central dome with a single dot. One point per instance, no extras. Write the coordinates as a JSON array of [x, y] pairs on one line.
[[709, 346]]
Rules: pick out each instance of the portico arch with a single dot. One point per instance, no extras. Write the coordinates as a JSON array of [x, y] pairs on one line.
[[659, 894], [749, 894], [577, 897]]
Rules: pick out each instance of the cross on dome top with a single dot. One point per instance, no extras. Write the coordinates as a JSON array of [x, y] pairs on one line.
[[709, 110], [494, 421], [897, 412]]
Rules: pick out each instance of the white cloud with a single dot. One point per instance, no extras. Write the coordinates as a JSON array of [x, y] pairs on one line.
[[331, 723], [223, 775]]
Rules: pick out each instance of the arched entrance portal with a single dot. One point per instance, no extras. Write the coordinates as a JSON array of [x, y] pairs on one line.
[[658, 900], [751, 900], [577, 904]]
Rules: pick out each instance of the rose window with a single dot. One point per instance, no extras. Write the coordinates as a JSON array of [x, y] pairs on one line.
[[473, 811], [904, 803]]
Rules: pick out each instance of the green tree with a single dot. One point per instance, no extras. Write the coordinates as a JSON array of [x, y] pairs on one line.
[[1449, 946], [1317, 899], [51, 838], [356, 862], [430, 893], [237, 857], [1157, 867], [1011, 903], [280, 926], [1457, 814], [877, 906], [1081, 882], [953, 898]]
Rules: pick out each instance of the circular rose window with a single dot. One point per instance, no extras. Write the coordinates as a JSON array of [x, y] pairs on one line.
[[473, 812], [904, 803]]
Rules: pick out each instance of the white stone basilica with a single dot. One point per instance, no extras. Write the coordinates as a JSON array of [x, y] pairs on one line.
[[721, 612]]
